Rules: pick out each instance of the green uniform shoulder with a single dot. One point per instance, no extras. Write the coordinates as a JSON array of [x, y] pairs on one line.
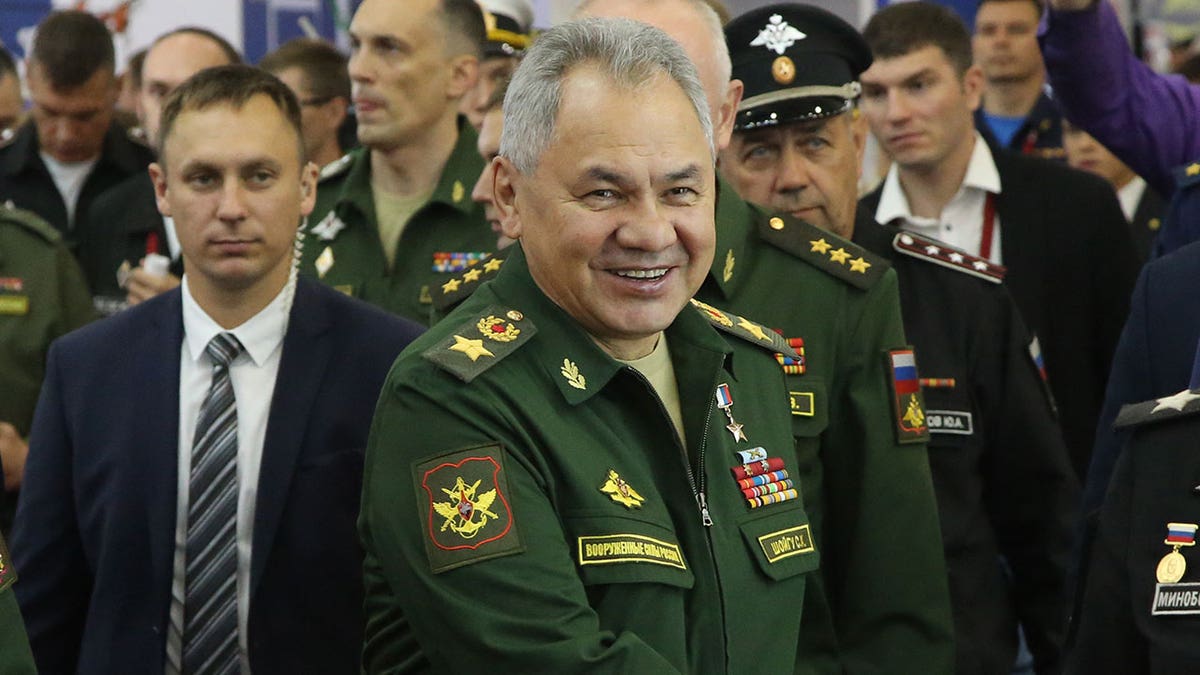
[[337, 167], [824, 250], [1183, 404], [459, 287], [29, 221], [481, 342], [939, 253], [741, 327]]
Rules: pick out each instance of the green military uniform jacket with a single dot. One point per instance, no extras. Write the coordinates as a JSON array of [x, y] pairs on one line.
[[42, 296], [15, 656], [865, 469], [342, 246], [528, 506]]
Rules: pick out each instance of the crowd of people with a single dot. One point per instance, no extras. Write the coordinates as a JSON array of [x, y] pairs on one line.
[[582, 350]]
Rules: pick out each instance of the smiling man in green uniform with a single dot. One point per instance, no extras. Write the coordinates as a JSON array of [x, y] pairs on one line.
[[395, 215], [860, 445], [579, 470]]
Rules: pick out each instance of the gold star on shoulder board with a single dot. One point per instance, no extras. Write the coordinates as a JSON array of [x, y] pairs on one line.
[[492, 265], [839, 256], [754, 329], [472, 348], [472, 274], [1193, 170], [451, 286], [859, 265], [820, 246]]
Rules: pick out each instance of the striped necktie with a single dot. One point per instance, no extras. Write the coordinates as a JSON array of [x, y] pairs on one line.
[[210, 625]]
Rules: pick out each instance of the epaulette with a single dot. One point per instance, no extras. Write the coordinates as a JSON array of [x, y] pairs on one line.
[[1188, 174], [460, 286], [746, 329], [335, 168], [481, 342], [30, 221], [1168, 407], [825, 250], [938, 253]]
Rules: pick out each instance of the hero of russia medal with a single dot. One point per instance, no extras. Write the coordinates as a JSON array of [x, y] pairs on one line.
[[1173, 565]]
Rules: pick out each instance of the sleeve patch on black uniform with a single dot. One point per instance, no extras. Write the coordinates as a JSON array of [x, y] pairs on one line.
[[908, 404]]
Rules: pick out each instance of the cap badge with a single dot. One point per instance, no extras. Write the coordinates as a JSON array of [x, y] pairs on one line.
[[783, 70], [777, 35]]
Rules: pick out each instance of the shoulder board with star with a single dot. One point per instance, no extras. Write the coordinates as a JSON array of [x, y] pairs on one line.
[[335, 168], [459, 286], [746, 329], [30, 221], [939, 253], [824, 250], [481, 342], [1183, 404]]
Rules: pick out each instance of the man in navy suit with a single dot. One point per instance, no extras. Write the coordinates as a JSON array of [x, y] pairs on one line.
[[235, 407]]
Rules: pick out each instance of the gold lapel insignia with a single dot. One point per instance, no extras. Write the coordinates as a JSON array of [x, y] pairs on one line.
[[621, 492], [574, 377], [729, 263]]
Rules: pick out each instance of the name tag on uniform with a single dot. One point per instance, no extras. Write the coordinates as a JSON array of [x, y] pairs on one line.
[[786, 543], [14, 305], [949, 422], [801, 403], [1176, 599]]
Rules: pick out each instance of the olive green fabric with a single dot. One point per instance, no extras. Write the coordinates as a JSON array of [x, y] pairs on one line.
[[870, 498], [582, 547], [15, 656], [42, 296], [342, 246]]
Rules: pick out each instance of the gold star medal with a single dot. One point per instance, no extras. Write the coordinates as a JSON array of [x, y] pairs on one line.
[[1173, 565], [725, 403]]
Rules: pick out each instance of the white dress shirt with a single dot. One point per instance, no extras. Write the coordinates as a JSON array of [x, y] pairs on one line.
[[253, 376], [1130, 196], [961, 222]]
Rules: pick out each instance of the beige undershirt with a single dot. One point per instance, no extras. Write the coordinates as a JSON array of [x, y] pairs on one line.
[[656, 367], [392, 213]]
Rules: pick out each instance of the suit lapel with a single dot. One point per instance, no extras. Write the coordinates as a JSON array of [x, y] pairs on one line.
[[1025, 239], [306, 351], [157, 440]]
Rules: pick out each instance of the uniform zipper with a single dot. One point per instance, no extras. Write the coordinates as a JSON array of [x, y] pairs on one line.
[[697, 489]]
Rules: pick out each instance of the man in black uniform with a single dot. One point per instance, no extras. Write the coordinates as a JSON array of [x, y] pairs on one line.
[[1142, 597], [1000, 467], [71, 150]]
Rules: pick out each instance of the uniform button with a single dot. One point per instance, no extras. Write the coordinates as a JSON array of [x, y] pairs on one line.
[[776, 223]]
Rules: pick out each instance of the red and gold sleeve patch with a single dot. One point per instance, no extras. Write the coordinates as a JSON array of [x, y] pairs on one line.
[[908, 405], [467, 514]]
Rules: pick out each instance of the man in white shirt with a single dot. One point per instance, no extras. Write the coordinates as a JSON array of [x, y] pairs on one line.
[[194, 476], [1060, 232], [71, 150]]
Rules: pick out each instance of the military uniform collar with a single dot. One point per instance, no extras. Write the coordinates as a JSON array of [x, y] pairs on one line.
[[461, 171], [22, 152], [356, 190], [117, 151], [571, 359], [730, 261]]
